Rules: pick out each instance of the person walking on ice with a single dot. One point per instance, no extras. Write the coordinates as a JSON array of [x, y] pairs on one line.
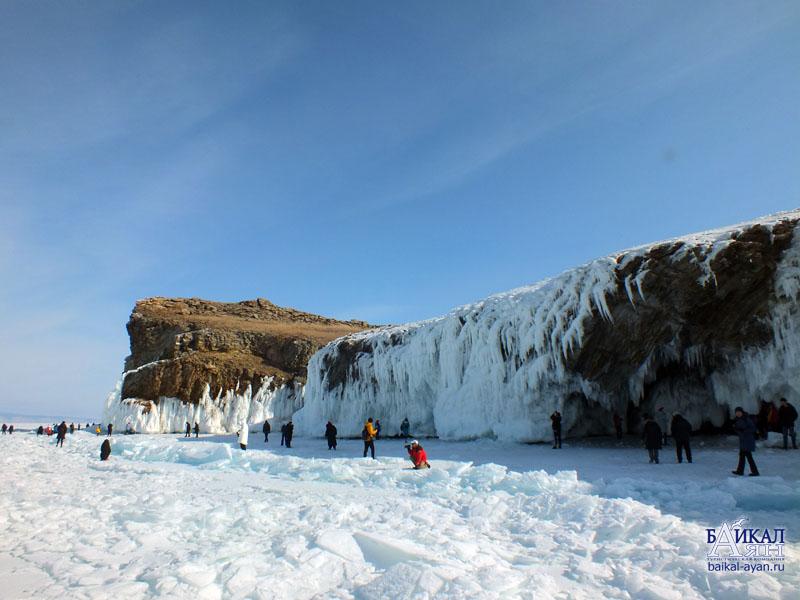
[[289, 433], [243, 434], [330, 435], [681, 432], [368, 435], [555, 418], [787, 415], [110, 429], [266, 429], [417, 455], [188, 430], [196, 429], [62, 434], [746, 430], [617, 425], [283, 434], [661, 419], [652, 438], [405, 427]]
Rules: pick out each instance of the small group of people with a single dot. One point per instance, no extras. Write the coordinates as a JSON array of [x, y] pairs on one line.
[[7, 429], [109, 429], [188, 430], [656, 428], [780, 419], [287, 432], [416, 452], [555, 421], [654, 435], [369, 434]]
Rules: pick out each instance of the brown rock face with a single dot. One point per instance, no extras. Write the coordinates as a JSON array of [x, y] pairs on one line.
[[718, 318], [178, 345]]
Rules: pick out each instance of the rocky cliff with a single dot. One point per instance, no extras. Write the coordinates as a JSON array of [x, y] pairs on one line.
[[194, 359], [697, 324]]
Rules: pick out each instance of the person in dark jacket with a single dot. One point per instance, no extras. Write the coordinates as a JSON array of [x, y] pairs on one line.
[[405, 428], [71, 428], [377, 429], [618, 425], [289, 433], [653, 437], [746, 430], [62, 434], [681, 432], [105, 449], [196, 429], [266, 428], [283, 434], [10, 429], [555, 419], [188, 430], [109, 429], [40, 431], [762, 419], [5, 428], [787, 415], [330, 435]]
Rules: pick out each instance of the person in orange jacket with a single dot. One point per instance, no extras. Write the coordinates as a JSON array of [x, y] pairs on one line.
[[368, 434], [418, 455]]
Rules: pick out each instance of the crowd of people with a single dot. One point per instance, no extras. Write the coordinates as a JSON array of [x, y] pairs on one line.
[[658, 428], [656, 432], [370, 433]]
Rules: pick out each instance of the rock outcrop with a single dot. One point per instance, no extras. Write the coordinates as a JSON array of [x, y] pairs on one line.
[[697, 324], [195, 359]]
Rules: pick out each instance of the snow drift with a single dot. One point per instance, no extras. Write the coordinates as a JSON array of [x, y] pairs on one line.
[[194, 519], [697, 325]]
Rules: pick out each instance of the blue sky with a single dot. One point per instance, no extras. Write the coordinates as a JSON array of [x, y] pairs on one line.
[[374, 160]]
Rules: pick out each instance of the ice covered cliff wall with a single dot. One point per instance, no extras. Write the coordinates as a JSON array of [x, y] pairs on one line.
[[696, 324], [216, 363]]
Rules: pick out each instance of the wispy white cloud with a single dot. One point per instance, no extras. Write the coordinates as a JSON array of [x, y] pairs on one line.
[[85, 87]]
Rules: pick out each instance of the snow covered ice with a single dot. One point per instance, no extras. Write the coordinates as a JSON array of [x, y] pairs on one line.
[[170, 517]]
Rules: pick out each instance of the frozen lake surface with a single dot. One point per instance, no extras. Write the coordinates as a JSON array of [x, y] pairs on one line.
[[198, 518]]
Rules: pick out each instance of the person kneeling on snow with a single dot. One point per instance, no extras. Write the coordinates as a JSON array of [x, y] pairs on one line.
[[418, 456]]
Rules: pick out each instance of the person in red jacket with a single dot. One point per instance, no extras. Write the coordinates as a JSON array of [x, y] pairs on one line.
[[418, 456]]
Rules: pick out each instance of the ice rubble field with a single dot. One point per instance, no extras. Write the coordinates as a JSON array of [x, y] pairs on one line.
[[174, 518]]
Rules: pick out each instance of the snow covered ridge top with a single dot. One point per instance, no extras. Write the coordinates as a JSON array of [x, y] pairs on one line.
[[693, 324]]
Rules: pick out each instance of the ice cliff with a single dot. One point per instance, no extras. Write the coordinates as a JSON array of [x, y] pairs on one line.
[[697, 324]]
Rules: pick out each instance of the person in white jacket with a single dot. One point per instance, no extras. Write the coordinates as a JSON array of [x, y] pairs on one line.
[[243, 437]]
